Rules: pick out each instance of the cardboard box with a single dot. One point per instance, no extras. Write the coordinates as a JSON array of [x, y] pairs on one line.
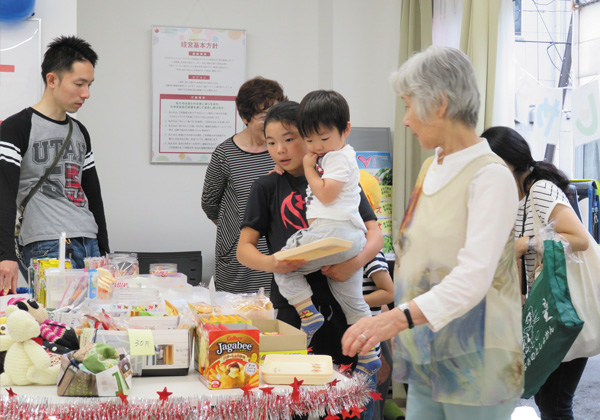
[[286, 340], [74, 382], [226, 355], [171, 356]]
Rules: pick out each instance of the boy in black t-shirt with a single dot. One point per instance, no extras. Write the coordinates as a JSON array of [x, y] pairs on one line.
[[276, 210]]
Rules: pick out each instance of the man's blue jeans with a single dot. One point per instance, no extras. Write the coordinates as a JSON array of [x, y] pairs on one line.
[[76, 250]]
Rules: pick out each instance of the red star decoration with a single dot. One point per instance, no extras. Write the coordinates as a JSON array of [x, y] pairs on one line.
[[123, 397], [11, 393], [355, 411], [267, 389], [334, 383], [346, 414], [331, 417], [376, 396], [164, 394], [345, 368], [309, 349], [296, 391], [247, 390]]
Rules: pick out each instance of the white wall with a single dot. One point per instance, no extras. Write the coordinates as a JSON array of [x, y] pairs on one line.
[[58, 17], [347, 45]]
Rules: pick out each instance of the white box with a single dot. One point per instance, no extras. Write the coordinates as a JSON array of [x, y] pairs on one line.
[[171, 357]]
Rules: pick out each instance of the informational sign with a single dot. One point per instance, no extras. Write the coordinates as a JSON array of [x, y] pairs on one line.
[[379, 164], [20, 54], [548, 109], [585, 113], [196, 74]]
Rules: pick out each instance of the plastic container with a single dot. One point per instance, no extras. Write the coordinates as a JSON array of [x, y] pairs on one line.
[[68, 287], [168, 280], [123, 264], [163, 268], [136, 300], [281, 369]]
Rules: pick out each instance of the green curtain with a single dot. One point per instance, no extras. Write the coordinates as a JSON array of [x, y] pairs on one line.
[[415, 35], [479, 40]]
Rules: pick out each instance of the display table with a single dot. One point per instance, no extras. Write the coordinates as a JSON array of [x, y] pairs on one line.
[[190, 399]]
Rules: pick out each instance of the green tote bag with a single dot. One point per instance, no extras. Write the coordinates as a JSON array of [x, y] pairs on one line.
[[550, 322]]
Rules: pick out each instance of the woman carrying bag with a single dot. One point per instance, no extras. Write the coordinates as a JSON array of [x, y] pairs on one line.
[[543, 189]]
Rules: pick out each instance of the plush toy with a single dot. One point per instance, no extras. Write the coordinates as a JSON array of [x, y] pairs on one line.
[[57, 337], [32, 306], [26, 363]]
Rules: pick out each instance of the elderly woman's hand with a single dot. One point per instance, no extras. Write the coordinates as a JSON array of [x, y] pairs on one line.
[[367, 332]]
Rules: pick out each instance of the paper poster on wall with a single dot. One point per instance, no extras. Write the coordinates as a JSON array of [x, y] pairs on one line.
[[196, 74], [379, 164], [584, 113], [20, 54], [548, 111]]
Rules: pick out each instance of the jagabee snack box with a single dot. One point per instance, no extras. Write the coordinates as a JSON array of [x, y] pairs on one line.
[[227, 354]]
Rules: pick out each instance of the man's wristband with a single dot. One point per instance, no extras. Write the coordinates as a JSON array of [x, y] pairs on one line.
[[406, 309]]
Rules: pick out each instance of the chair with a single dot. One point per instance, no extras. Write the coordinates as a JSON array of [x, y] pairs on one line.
[[188, 263], [574, 200], [587, 194]]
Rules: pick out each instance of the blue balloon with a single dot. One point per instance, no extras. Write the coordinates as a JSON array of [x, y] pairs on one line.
[[16, 10]]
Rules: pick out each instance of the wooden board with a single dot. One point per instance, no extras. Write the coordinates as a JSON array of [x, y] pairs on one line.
[[318, 249], [313, 369]]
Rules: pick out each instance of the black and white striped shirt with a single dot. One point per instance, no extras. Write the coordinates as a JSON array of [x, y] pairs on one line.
[[546, 196], [229, 176], [377, 264]]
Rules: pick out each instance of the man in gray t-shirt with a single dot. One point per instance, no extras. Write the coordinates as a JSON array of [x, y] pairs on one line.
[[70, 200]]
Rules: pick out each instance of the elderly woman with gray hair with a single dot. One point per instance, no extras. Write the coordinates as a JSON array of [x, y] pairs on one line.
[[457, 321]]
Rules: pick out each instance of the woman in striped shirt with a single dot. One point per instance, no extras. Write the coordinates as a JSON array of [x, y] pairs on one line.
[[547, 187], [233, 167]]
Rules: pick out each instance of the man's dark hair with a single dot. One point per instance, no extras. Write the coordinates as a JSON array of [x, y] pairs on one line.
[[322, 108], [257, 95], [63, 51], [283, 112]]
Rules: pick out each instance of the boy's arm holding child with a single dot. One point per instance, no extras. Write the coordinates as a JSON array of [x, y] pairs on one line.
[[249, 255], [343, 271]]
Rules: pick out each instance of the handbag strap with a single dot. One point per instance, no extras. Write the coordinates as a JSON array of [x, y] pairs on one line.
[[523, 268], [537, 225], [50, 169]]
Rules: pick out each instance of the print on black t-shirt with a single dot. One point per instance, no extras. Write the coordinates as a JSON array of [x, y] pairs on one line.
[[292, 211]]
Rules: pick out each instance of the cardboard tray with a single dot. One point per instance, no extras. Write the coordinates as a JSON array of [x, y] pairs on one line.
[[315, 250], [281, 369], [289, 340]]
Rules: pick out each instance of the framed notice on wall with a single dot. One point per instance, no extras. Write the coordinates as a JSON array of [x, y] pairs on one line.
[[196, 74], [20, 53]]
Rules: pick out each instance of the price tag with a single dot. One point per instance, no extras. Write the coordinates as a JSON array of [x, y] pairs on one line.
[[141, 342]]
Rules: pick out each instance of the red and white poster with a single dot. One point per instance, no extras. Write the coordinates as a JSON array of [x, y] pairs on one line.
[[196, 74]]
